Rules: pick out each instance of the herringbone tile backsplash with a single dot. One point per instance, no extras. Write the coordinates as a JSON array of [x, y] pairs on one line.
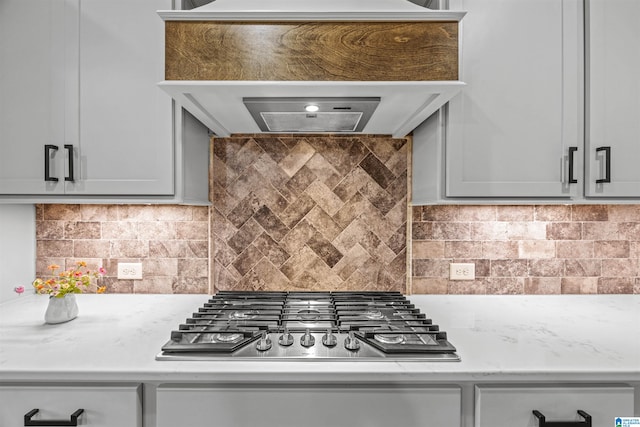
[[297, 212]]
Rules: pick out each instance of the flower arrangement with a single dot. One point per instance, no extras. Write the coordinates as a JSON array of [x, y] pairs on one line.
[[71, 281]]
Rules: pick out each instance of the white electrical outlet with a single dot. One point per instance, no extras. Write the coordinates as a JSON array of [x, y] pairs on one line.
[[130, 270], [462, 271]]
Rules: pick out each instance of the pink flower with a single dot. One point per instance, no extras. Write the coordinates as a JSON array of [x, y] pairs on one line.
[[19, 289], [102, 271]]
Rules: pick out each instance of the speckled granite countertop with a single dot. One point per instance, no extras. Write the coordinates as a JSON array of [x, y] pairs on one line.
[[500, 339]]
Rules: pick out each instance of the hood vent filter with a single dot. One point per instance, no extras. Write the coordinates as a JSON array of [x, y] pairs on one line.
[[290, 115]]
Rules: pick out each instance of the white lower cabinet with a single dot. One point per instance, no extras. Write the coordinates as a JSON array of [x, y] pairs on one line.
[[310, 406], [104, 405], [513, 406]]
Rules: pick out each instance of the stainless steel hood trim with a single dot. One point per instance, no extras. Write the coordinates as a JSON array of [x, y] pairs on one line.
[[403, 105]]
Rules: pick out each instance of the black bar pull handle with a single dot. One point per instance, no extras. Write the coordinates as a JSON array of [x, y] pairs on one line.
[[542, 422], [47, 158], [607, 165], [73, 419], [572, 179], [69, 149]]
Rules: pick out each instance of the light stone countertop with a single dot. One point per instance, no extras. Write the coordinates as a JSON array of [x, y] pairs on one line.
[[499, 338]]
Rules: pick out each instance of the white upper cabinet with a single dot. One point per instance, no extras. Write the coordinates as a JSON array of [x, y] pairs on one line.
[[613, 98], [32, 109], [515, 129], [81, 105], [125, 130]]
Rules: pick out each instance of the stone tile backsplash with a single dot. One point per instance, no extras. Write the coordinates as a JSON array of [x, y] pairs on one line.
[[309, 213], [547, 249], [171, 242]]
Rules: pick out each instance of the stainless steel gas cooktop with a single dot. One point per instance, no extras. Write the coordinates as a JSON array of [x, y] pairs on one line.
[[307, 326]]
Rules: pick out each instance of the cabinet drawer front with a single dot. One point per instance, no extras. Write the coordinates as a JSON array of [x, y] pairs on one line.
[[513, 406], [104, 406], [318, 406]]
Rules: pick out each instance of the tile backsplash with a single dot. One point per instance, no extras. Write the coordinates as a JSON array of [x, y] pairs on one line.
[[309, 213], [548, 249], [171, 242]]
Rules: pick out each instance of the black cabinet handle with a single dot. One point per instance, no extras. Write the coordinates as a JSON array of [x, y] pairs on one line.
[[73, 419], [607, 164], [572, 150], [47, 156], [69, 149], [542, 422]]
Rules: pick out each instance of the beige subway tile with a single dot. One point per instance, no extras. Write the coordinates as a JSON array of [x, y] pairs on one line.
[[634, 249], [636, 285], [500, 250], [54, 248], [193, 267], [615, 285], [191, 285], [546, 267], [623, 267], [583, 267], [451, 231], [422, 249], [49, 230], [536, 249], [514, 213], [624, 213], [579, 285], [172, 213], [82, 230], [526, 230], [430, 268], [601, 231], [135, 213], [612, 249], [629, 230], [200, 213], [91, 248], [154, 285], [575, 249], [505, 286], [62, 212], [39, 212], [489, 231], [564, 231], [296, 158], [466, 287], [543, 285], [431, 285], [462, 249], [193, 230], [441, 213], [129, 249], [156, 230], [153, 267], [118, 230], [477, 213], [509, 268], [556, 213], [99, 212], [589, 213]]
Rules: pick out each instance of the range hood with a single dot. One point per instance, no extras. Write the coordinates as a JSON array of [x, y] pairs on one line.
[[366, 67]]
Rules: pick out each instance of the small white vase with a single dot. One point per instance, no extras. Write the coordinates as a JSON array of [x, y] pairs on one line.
[[61, 310]]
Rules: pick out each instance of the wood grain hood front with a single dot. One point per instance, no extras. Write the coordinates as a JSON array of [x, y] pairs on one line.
[[228, 50]]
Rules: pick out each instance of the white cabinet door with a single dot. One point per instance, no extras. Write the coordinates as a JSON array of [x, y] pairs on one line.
[[32, 81], [124, 141], [318, 406], [104, 405], [514, 406], [613, 98], [510, 130]]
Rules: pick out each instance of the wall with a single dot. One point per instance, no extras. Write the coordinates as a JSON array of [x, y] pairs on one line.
[[171, 242], [528, 249], [17, 249]]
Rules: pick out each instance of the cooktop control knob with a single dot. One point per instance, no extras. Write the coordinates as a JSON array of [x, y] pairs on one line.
[[264, 342], [328, 339], [307, 340], [286, 339], [351, 342]]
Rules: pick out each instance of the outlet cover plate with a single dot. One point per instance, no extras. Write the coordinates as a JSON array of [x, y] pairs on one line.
[[130, 270], [462, 271]]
